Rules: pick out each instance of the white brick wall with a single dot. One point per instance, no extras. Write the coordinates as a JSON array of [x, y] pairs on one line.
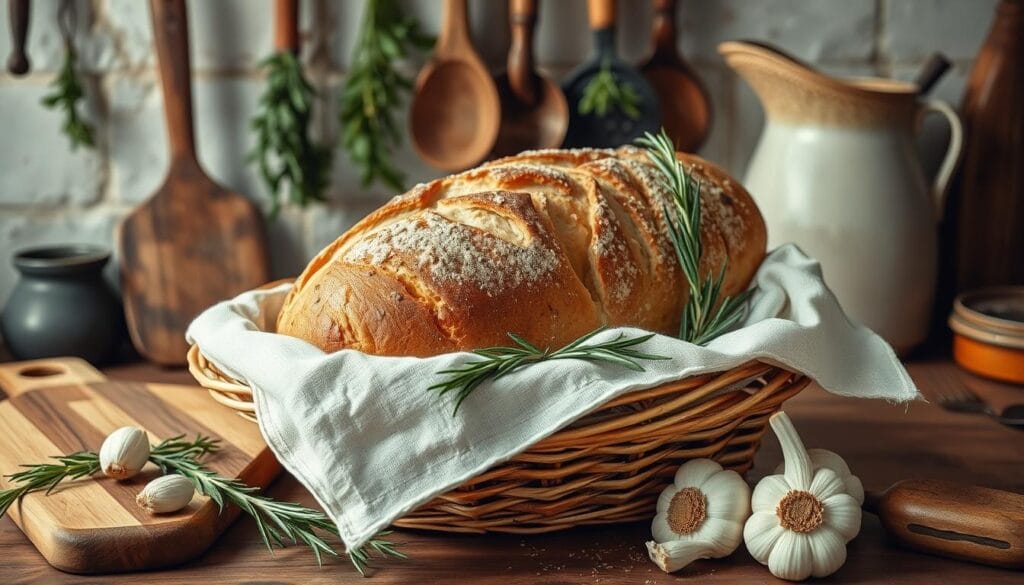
[[50, 194]]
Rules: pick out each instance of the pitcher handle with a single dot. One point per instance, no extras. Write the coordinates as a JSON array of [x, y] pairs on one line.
[[949, 162]]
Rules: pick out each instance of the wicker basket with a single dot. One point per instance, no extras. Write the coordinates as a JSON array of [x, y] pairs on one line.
[[609, 466]]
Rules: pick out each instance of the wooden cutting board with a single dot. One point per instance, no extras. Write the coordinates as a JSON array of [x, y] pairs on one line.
[[62, 405]]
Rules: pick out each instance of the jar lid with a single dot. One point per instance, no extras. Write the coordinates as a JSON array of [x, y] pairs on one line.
[[991, 315]]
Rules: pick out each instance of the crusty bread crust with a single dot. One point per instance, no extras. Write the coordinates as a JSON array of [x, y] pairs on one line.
[[547, 244]]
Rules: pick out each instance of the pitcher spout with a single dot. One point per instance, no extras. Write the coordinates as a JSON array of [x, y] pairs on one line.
[[795, 92]]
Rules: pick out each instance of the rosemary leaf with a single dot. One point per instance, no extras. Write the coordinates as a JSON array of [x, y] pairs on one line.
[[500, 361], [375, 89], [705, 315]]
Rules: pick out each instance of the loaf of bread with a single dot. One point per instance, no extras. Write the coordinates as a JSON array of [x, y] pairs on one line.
[[546, 244]]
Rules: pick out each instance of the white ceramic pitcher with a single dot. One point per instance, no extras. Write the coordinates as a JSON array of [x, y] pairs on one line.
[[836, 170]]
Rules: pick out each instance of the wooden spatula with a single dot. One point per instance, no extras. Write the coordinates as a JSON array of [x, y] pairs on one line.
[[193, 243]]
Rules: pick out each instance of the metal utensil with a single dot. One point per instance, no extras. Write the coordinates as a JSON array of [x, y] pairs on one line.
[[956, 397], [534, 113], [685, 106], [615, 128], [456, 112]]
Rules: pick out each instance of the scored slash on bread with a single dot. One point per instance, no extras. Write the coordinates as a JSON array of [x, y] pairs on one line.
[[547, 244]]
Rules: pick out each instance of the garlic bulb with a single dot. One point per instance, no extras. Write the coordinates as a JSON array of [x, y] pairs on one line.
[[699, 516], [802, 519], [124, 452], [825, 458], [168, 493]]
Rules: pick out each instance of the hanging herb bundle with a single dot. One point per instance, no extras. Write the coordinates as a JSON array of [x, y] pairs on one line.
[[605, 92], [67, 89], [375, 88], [294, 168]]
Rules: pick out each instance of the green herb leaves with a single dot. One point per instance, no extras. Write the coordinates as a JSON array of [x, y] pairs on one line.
[[499, 361], [605, 92], [291, 165], [279, 523], [67, 92], [374, 90], [704, 316]]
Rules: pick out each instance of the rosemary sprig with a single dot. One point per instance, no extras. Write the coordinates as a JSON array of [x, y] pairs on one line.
[[277, 522], [705, 316], [46, 476], [293, 167], [67, 92], [375, 88], [499, 361], [605, 91]]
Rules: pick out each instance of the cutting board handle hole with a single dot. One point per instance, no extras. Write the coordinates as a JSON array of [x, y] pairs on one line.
[[41, 371]]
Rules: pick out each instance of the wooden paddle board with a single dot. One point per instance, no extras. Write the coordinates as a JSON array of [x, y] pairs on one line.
[[93, 525]]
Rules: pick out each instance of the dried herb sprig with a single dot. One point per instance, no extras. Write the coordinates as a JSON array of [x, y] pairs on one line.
[[277, 522], [375, 88], [500, 361], [67, 92], [294, 168], [705, 315], [605, 92]]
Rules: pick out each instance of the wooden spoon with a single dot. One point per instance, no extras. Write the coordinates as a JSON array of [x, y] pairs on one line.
[[18, 11], [958, 521], [615, 128], [685, 107], [193, 243], [286, 26], [534, 113], [456, 112]]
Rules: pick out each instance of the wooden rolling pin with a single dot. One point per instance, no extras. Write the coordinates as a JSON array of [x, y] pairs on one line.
[[965, 522]]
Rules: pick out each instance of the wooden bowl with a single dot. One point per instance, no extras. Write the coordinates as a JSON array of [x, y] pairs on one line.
[[988, 327]]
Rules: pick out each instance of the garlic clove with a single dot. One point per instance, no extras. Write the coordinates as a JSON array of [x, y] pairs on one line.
[[165, 494], [828, 552], [825, 458], [826, 483], [124, 452], [662, 532], [695, 472], [760, 534], [768, 492], [791, 557], [674, 555], [843, 514], [730, 496], [724, 536]]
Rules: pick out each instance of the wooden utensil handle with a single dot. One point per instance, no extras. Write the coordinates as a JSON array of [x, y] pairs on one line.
[[601, 13], [454, 28], [286, 25], [523, 17], [170, 34], [20, 377], [665, 27], [18, 11], [965, 522], [933, 70]]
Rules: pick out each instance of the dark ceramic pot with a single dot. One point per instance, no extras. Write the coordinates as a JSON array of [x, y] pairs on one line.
[[61, 306]]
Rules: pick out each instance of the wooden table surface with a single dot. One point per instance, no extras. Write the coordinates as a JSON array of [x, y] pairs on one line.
[[883, 443]]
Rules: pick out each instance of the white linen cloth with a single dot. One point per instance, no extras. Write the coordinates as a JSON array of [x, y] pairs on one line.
[[364, 435]]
